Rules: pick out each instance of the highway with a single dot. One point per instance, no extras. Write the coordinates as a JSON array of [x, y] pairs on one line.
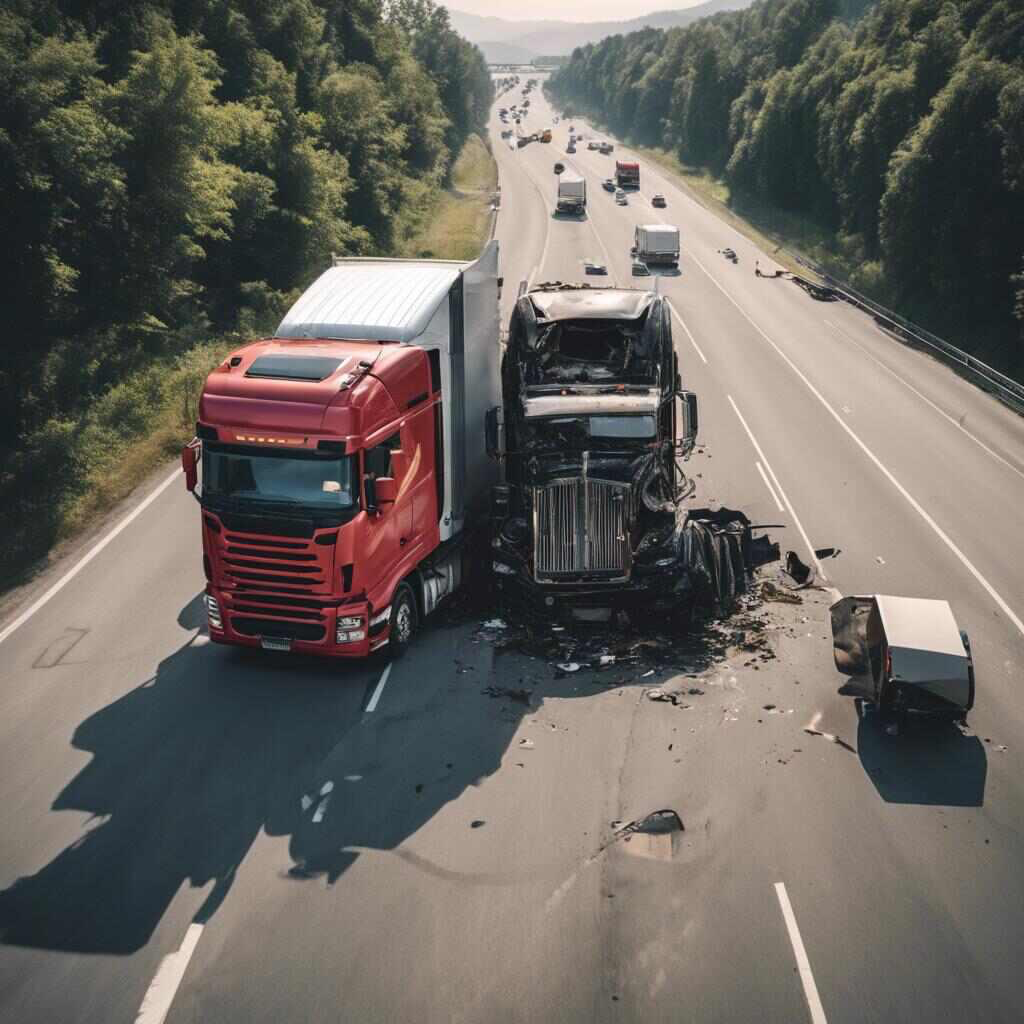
[[192, 833]]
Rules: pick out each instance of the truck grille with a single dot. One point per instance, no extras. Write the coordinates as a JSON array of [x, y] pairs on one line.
[[581, 528], [301, 566]]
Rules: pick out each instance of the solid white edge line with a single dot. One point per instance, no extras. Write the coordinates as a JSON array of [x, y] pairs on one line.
[[911, 500], [375, 697], [84, 561], [789, 504], [768, 484], [924, 398], [803, 964], [161, 992], [682, 323]]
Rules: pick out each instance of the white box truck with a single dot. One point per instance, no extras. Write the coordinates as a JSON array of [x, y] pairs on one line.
[[656, 243], [572, 194]]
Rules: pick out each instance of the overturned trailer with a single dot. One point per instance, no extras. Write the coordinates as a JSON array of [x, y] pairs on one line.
[[593, 432], [907, 654]]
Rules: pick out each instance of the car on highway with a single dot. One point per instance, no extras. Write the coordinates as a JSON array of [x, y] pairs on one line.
[[559, 167], [608, 185], [571, 148], [658, 200], [593, 145]]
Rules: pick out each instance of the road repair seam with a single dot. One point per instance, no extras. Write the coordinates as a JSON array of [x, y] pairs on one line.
[[693, 340], [911, 500], [925, 398], [789, 504], [83, 562], [802, 963], [161, 992], [371, 704]]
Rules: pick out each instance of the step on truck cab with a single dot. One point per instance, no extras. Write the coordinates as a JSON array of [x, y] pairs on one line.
[[341, 459]]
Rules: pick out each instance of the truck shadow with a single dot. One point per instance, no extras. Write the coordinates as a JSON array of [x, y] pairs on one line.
[[186, 770], [931, 762]]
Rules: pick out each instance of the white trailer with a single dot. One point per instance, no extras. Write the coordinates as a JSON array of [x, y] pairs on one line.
[[572, 194], [656, 243]]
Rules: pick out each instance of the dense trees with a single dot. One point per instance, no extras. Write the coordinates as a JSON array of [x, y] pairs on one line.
[[173, 167], [897, 125]]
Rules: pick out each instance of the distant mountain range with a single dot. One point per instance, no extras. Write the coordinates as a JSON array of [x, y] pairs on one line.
[[519, 42]]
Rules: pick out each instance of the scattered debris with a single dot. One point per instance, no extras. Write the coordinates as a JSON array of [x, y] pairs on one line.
[[695, 692], [477, 823], [649, 672], [307, 801], [827, 552], [730, 255], [655, 837], [769, 707], [519, 696], [589, 267], [495, 624], [802, 575], [879, 559], [526, 744], [771, 592], [353, 778], [664, 696]]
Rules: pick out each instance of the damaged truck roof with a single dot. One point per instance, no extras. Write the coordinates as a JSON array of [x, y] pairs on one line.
[[592, 303]]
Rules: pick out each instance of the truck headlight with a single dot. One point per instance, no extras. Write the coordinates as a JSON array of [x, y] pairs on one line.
[[213, 612], [347, 629], [502, 569]]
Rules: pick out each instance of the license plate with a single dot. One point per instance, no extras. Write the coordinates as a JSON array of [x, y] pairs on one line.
[[273, 643]]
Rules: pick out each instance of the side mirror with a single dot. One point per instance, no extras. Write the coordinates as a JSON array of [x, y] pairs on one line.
[[493, 432], [370, 489], [690, 418], [386, 488], [190, 455]]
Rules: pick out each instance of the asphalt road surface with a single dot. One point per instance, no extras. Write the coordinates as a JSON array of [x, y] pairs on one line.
[[193, 833]]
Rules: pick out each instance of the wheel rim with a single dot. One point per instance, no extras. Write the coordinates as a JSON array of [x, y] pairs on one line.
[[403, 622]]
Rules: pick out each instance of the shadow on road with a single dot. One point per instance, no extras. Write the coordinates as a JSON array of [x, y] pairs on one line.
[[930, 762], [187, 769]]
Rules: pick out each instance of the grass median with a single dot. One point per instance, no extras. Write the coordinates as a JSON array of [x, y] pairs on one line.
[[458, 225]]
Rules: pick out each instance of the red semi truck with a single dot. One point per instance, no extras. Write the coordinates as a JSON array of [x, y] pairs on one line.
[[341, 458], [627, 174]]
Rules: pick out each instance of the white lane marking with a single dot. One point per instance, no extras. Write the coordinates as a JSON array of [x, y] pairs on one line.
[[911, 500], [789, 504], [93, 552], [371, 706], [925, 398], [158, 998], [768, 484], [682, 323], [802, 963]]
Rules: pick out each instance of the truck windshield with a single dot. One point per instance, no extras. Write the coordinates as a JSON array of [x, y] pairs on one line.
[[300, 478], [578, 432]]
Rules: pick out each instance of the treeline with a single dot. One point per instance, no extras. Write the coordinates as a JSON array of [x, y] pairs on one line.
[[171, 169], [898, 126]]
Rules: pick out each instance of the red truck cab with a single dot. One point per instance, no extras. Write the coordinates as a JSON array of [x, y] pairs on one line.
[[340, 459]]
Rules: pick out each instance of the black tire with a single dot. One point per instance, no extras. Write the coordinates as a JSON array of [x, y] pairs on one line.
[[404, 620]]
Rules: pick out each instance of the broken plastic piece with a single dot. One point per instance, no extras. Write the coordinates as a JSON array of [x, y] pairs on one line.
[[770, 592], [569, 666], [801, 574]]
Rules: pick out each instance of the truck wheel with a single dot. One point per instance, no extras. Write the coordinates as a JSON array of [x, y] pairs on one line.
[[404, 619]]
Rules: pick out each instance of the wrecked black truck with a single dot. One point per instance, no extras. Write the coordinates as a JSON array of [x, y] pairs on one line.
[[593, 433]]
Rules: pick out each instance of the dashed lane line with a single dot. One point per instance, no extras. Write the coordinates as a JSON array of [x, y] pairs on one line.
[[882, 468], [803, 965], [775, 479]]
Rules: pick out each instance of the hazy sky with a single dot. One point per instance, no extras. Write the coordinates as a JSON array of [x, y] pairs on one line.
[[569, 10]]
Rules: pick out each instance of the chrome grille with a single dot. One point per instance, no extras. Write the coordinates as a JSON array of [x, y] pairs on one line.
[[581, 527]]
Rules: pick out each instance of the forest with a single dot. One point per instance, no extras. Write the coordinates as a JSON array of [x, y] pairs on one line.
[[897, 126], [173, 170]]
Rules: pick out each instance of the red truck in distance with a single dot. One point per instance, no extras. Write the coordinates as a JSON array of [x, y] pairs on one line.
[[627, 174], [341, 458]]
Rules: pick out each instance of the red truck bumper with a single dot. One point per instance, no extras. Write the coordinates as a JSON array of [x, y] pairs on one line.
[[230, 624]]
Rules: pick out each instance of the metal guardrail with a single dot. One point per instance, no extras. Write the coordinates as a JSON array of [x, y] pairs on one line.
[[1005, 388]]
